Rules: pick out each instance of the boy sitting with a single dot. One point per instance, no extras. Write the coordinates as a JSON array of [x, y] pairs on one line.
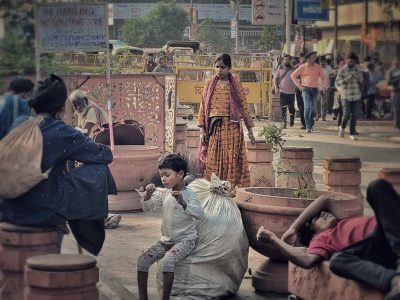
[[180, 209], [363, 248]]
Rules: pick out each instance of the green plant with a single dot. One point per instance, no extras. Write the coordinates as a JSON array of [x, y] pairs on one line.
[[276, 137]]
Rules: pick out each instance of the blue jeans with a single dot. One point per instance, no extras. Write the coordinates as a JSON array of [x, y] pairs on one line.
[[310, 96]]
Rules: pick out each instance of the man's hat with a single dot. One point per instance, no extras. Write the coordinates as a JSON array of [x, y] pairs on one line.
[[49, 94]]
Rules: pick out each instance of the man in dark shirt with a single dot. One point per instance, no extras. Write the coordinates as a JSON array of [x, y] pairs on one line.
[[366, 249]]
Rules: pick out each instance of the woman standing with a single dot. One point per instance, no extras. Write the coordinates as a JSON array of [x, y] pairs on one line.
[[222, 149]]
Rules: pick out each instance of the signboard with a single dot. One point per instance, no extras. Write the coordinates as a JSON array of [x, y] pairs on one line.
[[72, 27], [217, 12], [310, 10], [267, 12]]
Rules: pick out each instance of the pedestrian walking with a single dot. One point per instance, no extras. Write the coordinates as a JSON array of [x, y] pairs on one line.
[[371, 91], [310, 73], [324, 94], [350, 80], [285, 88], [299, 97], [393, 77]]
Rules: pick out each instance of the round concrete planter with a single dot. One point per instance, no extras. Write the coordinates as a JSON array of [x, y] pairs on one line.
[[180, 137], [342, 174], [391, 175], [259, 157], [133, 166], [292, 161], [276, 209]]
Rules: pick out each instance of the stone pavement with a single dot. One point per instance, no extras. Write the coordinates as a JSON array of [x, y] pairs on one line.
[[378, 146]]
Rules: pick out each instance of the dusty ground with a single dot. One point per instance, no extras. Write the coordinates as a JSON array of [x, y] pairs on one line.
[[378, 146]]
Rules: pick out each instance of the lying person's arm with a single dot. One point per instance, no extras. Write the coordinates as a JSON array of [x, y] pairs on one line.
[[322, 203], [296, 255]]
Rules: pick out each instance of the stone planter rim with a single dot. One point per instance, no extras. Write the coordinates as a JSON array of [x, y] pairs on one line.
[[4, 226], [298, 149], [342, 159], [267, 146], [61, 262], [391, 171], [285, 210], [135, 147]]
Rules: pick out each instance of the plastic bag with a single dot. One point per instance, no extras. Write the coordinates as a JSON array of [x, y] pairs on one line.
[[20, 159], [219, 261]]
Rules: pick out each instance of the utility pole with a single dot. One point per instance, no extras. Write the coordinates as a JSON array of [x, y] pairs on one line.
[[335, 34], [366, 26], [235, 4], [288, 24]]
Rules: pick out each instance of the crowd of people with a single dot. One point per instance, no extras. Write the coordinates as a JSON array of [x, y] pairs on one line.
[[348, 90], [161, 66]]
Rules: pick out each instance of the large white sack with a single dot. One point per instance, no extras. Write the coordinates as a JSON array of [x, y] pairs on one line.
[[218, 263]]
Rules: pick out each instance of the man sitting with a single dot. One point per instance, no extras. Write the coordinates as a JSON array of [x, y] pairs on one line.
[[363, 248]]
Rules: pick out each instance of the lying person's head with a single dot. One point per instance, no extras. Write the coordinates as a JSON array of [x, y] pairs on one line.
[[173, 168], [79, 101], [321, 222], [49, 96]]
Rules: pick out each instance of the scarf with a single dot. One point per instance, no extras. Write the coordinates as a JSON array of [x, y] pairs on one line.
[[235, 112]]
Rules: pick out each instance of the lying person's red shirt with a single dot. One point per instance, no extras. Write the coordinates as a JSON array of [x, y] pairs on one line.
[[347, 232]]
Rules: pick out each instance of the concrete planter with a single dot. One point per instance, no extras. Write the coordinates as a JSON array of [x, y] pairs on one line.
[[342, 174], [17, 244], [180, 137], [192, 142], [61, 276], [276, 209], [391, 175], [133, 167], [259, 157], [294, 160]]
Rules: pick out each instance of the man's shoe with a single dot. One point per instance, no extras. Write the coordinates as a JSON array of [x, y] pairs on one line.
[[323, 118], [303, 127], [341, 132], [308, 130], [356, 132], [353, 137], [283, 125]]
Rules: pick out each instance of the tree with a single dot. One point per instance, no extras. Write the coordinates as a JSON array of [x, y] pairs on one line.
[[213, 41], [271, 37], [164, 22]]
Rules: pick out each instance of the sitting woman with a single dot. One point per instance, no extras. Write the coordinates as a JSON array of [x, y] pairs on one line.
[[78, 196]]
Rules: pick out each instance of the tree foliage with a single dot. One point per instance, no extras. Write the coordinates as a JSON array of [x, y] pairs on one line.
[[164, 22], [271, 37], [212, 41]]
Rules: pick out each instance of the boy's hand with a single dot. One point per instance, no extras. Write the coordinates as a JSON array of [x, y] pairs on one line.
[[150, 189], [264, 235], [179, 198]]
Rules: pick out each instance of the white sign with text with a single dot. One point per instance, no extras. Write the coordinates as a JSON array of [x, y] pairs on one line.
[[72, 27], [267, 12]]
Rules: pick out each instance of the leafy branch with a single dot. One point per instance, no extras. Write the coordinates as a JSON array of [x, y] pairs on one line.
[[275, 136]]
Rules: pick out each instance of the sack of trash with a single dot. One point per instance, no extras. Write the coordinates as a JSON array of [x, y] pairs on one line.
[[219, 261], [20, 159]]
